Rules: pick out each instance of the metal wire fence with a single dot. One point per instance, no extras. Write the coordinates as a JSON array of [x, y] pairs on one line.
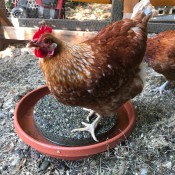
[[30, 9]]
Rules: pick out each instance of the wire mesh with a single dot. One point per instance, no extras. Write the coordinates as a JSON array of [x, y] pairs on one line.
[[29, 5]]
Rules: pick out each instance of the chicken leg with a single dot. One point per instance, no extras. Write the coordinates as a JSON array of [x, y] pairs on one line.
[[90, 127]]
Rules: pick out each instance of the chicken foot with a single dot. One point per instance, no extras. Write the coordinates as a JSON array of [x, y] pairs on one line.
[[90, 127], [91, 113], [161, 88]]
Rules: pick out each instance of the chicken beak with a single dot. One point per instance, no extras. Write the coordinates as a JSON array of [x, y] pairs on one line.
[[33, 44]]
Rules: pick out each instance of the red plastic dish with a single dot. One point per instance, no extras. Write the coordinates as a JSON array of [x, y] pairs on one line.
[[25, 128]]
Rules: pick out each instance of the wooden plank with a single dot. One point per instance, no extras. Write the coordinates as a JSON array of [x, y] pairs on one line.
[[163, 2], [26, 33], [4, 21], [129, 5], [63, 24]]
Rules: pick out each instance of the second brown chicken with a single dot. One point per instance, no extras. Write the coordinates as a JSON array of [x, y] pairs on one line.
[[160, 55]]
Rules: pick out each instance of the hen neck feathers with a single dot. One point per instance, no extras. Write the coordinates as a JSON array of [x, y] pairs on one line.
[[72, 65]]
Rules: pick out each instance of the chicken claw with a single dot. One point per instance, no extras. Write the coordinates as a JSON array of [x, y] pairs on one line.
[[91, 113], [90, 127], [161, 88]]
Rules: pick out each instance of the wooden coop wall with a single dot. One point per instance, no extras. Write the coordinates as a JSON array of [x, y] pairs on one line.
[[163, 2], [119, 7]]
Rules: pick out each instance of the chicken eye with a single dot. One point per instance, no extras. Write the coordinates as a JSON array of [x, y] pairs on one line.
[[47, 41]]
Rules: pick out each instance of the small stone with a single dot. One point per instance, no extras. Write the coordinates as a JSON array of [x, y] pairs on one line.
[[34, 154], [12, 111], [8, 147], [56, 172], [23, 146], [144, 171], [2, 115], [5, 167], [15, 160], [1, 102], [93, 163], [61, 172], [8, 103], [167, 165], [25, 52], [44, 165]]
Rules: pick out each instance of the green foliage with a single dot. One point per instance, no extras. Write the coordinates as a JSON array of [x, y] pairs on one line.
[[8, 4]]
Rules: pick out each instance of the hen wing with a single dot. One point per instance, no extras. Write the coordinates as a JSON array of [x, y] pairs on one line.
[[122, 42]]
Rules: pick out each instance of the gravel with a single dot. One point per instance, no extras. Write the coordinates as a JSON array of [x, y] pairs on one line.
[[149, 150], [56, 121]]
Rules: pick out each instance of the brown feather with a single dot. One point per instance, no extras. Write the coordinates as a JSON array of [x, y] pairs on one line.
[[160, 53]]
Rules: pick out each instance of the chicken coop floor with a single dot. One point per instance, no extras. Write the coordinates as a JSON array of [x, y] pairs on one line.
[[150, 149]]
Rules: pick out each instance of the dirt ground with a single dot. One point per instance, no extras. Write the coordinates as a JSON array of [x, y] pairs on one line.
[[149, 150]]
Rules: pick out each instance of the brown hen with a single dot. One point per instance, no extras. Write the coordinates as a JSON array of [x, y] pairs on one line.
[[160, 55], [100, 74]]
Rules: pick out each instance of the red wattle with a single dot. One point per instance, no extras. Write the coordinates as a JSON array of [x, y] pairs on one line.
[[39, 53]]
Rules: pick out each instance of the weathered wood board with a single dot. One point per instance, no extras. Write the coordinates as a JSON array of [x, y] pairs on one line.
[[26, 33]]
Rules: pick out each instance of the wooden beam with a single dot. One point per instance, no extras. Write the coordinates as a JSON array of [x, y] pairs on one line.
[[4, 21], [163, 3], [129, 5], [63, 24], [26, 33]]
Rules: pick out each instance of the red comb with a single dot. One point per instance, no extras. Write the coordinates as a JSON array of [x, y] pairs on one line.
[[43, 29]]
